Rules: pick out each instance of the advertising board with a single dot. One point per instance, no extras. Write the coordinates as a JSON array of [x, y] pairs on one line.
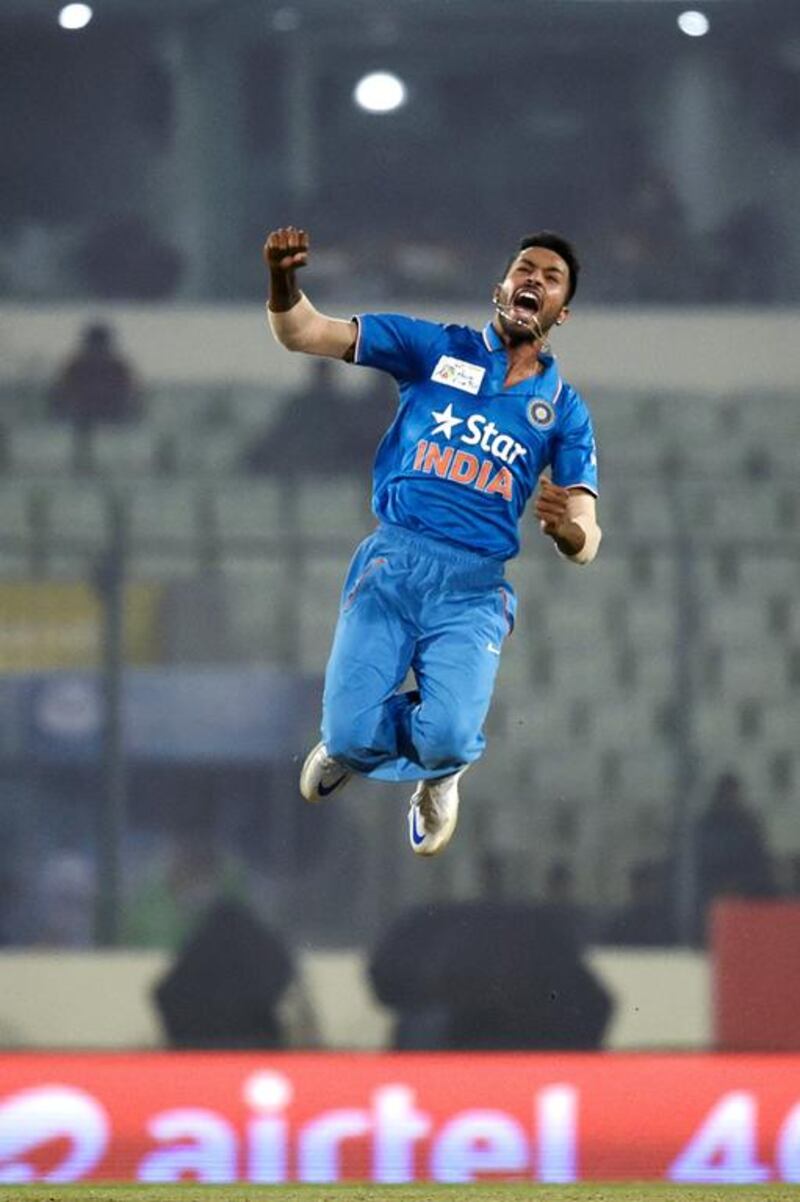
[[320, 1117]]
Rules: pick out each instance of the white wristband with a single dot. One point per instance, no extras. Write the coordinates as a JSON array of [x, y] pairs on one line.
[[290, 326], [591, 541]]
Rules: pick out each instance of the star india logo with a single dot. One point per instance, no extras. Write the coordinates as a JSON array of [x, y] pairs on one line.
[[446, 421]]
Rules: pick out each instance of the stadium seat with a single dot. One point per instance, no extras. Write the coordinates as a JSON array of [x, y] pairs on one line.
[[260, 600], [768, 426], [15, 511], [41, 447], [646, 671], [574, 620], [628, 508], [317, 596], [647, 774], [253, 512], [770, 572], [335, 509], [754, 670], [124, 450], [151, 566], [183, 407], [779, 724], [208, 452], [163, 515], [637, 451], [254, 408], [618, 724], [77, 515], [651, 622]]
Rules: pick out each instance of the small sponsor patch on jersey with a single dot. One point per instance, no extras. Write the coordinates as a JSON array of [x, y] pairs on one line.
[[541, 414], [458, 374]]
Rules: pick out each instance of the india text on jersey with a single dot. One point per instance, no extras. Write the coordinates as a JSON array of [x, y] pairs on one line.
[[463, 468]]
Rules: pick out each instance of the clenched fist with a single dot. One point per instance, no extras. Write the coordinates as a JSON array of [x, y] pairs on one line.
[[550, 507], [286, 248]]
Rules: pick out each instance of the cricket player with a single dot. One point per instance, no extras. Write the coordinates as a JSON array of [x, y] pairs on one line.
[[481, 415]]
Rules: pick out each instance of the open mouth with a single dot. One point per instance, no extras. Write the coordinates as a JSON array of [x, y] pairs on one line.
[[526, 300]]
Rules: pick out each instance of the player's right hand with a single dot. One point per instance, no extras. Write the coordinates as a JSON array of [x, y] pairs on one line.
[[550, 506], [286, 248]]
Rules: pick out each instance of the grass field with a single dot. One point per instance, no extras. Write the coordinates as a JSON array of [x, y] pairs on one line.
[[629, 1192]]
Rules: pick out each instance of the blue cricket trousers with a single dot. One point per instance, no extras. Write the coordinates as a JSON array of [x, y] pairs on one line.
[[410, 601]]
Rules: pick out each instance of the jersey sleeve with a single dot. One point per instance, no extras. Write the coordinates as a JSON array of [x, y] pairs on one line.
[[402, 346], [575, 451]]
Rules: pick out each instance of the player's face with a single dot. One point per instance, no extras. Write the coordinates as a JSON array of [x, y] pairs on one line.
[[534, 293]]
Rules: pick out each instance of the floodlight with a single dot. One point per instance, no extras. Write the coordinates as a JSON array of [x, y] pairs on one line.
[[380, 92], [75, 16], [694, 24]]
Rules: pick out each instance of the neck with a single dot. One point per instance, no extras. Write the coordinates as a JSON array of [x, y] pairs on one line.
[[522, 352]]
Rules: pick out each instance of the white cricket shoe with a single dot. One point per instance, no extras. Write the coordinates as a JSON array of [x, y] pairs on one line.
[[322, 775], [433, 814]]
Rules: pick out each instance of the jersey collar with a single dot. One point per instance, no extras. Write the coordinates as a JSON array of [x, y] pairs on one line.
[[548, 384]]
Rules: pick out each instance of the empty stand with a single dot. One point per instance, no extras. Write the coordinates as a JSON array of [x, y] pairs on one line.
[[679, 649], [125, 450], [41, 447]]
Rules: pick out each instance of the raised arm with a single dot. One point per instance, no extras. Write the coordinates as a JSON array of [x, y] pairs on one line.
[[294, 321]]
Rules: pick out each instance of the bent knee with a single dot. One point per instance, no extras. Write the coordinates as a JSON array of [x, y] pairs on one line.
[[353, 741], [448, 742]]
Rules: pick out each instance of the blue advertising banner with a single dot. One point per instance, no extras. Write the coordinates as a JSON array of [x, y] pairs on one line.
[[213, 714]]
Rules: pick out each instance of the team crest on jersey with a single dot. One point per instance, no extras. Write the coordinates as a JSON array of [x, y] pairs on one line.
[[458, 374], [541, 414]]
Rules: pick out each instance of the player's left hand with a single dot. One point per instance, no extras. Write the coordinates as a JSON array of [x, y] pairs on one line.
[[550, 507]]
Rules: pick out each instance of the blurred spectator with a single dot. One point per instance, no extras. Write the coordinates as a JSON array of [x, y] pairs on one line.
[[731, 852], [66, 900], [323, 428], [173, 900], [747, 259], [224, 987], [96, 384], [126, 259], [34, 259], [558, 899], [646, 919], [495, 974], [9, 892], [647, 240], [791, 875]]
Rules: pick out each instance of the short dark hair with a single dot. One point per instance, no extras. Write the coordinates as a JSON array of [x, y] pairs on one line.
[[555, 242]]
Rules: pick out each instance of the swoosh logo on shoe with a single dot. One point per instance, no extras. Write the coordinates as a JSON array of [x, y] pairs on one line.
[[323, 792], [416, 839]]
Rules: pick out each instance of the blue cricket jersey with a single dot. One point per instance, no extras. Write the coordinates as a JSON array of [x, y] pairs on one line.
[[464, 454]]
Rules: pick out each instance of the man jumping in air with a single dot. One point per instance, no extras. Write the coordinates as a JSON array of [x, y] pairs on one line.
[[482, 414]]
